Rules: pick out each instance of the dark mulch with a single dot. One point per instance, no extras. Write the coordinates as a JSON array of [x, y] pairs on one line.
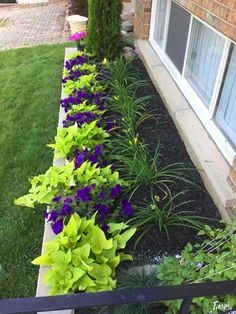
[[161, 131]]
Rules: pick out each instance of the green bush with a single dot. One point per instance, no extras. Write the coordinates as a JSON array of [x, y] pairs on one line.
[[104, 28], [211, 260]]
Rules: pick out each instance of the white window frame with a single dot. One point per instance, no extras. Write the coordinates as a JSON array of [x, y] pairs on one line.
[[206, 115]]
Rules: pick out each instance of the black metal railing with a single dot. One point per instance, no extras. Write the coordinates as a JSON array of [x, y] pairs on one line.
[[111, 299]]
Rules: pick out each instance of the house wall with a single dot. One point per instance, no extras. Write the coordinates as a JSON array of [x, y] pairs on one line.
[[220, 14]]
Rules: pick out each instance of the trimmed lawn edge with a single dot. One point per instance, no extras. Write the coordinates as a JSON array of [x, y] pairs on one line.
[[42, 290]]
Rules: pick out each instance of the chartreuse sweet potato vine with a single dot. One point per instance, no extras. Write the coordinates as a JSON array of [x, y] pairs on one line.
[[83, 258], [70, 138], [63, 180]]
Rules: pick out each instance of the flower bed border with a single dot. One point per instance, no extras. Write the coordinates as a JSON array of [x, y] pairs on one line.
[[42, 290]]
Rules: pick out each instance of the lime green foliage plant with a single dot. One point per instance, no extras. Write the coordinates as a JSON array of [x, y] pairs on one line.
[[59, 180], [84, 107], [90, 68], [82, 258], [211, 260], [89, 82], [104, 28], [87, 136]]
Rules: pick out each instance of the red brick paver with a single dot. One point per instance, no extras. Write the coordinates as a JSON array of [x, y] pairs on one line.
[[32, 25]]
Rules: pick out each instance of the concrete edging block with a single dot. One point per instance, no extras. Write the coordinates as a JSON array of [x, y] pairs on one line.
[[203, 151], [42, 290]]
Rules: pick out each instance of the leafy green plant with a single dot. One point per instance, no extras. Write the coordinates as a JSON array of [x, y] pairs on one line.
[[163, 216], [122, 71], [84, 107], [82, 258], [211, 260], [63, 180], [87, 136], [90, 68], [89, 82], [136, 164], [104, 28]]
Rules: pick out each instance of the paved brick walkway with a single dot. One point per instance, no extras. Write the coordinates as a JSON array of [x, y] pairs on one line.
[[22, 25]]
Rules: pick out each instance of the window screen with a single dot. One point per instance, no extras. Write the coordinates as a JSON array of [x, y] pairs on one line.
[[177, 35]]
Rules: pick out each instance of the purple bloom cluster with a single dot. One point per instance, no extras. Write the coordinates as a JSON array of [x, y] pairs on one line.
[[88, 199], [84, 194], [74, 75], [56, 217], [79, 60], [80, 118], [81, 157], [78, 97]]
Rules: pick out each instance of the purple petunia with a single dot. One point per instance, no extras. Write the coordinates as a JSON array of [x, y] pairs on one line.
[[105, 227], [116, 190], [83, 194], [57, 227], [102, 208], [102, 194], [80, 157], [56, 199], [127, 208], [53, 215]]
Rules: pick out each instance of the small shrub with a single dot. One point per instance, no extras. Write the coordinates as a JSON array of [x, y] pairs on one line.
[[211, 260], [104, 28]]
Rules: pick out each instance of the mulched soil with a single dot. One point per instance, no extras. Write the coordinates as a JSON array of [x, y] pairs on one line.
[[161, 131]]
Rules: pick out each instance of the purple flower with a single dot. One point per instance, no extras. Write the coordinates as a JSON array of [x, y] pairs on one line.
[[105, 228], [127, 208], [93, 159], [98, 150], [102, 194], [116, 190], [83, 194], [56, 199], [77, 36], [102, 208], [68, 201], [57, 227], [66, 210], [80, 157], [109, 126], [53, 215]]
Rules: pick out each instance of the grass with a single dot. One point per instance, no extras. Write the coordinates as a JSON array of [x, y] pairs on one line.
[[30, 92]]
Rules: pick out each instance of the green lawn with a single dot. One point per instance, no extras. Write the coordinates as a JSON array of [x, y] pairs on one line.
[[29, 97]]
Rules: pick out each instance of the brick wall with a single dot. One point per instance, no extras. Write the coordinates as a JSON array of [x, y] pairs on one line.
[[142, 18], [221, 14]]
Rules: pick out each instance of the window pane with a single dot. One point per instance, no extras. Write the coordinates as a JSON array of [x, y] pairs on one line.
[[177, 35], [160, 21], [204, 55], [226, 113]]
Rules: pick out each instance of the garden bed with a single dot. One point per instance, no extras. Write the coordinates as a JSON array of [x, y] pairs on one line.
[[127, 186], [161, 130]]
